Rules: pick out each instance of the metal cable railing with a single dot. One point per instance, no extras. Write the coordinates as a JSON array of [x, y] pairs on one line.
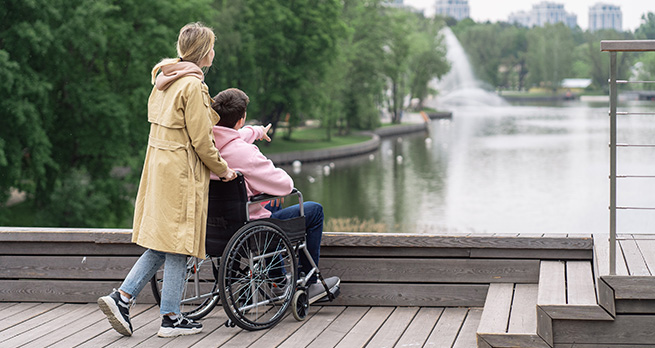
[[613, 47]]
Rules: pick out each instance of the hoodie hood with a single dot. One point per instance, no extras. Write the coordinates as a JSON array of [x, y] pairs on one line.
[[171, 73], [224, 135]]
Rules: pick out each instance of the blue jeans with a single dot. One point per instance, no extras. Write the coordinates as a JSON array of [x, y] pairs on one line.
[[313, 230], [174, 273]]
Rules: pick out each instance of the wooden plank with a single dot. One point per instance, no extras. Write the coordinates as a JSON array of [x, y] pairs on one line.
[[98, 325], [466, 337], [64, 332], [482, 343], [94, 235], [632, 287], [580, 283], [432, 270], [34, 321], [284, 329], [523, 316], [436, 241], [70, 313], [601, 247], [58, 291], [634, 259], [497, 306], [605, 297], [227, 337], [577, 312], [339, 328], [447, 328], [11, 312], [544, 326], [405, 252], [123, 236], [19, 318], [546, 254], [419, 329], [516, 340], [110, 336], [307, 333], [430, 295], [647, 248], [393, 328], [65, 248], [66, 267], [635, 307], [627, 45], [625, 329], [210, 324], [366, 328], [578, 345], [552, 283]]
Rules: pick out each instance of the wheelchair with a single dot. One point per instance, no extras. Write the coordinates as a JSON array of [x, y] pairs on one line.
[[251, 267]]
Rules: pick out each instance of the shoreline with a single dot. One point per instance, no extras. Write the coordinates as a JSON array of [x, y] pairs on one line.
[[368, 146]]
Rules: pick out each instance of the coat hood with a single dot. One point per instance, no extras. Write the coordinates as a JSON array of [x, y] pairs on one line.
[[171, 73]]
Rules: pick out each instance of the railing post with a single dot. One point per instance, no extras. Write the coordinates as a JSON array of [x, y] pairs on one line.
[[613, 102]]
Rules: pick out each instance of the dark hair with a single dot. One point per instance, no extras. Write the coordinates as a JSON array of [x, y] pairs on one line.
[[230, 105]]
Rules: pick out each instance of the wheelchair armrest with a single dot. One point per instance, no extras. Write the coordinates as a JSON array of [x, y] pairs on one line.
[[262, 197]]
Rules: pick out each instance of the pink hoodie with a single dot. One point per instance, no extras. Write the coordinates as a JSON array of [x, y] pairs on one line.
[[261, 176]]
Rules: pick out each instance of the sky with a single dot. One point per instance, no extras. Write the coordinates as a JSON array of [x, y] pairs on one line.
[[499, 10]]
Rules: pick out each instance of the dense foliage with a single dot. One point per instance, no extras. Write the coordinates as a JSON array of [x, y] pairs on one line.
[[514, 57], [76, 76]]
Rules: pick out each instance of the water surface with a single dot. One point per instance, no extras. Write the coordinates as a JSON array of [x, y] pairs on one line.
[[496, 169]]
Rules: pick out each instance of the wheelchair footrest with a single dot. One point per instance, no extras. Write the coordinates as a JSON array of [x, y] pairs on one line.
[[327, 298]]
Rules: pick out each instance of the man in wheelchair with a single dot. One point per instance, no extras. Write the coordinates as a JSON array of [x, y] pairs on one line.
[[235, 144]]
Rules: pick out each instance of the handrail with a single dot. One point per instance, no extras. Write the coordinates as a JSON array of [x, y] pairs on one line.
[[613, 47]]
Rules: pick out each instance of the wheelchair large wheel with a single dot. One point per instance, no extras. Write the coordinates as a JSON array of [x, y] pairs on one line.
[[200, 293], [258, 276]]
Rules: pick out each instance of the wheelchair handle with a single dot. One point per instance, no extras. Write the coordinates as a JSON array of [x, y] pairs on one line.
[[263, 197]]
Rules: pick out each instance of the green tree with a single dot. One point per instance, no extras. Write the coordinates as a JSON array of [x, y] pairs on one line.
[[288, 43], [397, 55], [427, 58], [549, 55], [76, 109], [646, 30], [363, 81]]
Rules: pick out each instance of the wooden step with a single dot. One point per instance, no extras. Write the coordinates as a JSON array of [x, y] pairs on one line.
[[567, 290], [510, 318]]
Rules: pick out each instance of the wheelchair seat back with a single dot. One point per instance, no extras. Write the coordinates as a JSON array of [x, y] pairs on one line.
[[226, 213]]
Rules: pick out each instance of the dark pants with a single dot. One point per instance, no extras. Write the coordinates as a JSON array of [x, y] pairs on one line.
[[313, 230]]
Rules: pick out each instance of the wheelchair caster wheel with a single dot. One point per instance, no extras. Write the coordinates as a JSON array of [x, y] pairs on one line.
[[300, 305], [230, 323]]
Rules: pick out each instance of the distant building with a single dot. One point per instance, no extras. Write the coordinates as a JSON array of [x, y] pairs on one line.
[[523, 18], [542, 13], [395, 3], [458, 9], [605, 16]]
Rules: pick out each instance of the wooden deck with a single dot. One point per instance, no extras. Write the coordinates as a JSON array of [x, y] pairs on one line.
[[398, 290], [83, 325]]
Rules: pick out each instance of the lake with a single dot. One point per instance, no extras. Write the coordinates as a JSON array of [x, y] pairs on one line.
[[496, 169]]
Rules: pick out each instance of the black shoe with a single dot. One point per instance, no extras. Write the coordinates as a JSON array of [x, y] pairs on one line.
[[117, 311], [178, 327]]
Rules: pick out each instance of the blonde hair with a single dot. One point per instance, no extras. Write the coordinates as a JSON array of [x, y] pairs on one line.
[[193, 44]]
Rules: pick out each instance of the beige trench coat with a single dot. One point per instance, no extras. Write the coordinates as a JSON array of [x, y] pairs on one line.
[[171, 204]]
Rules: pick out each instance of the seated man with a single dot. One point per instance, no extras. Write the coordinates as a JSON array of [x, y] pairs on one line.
[[235, 143]]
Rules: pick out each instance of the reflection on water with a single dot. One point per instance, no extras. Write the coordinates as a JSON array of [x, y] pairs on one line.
[[503, 169]]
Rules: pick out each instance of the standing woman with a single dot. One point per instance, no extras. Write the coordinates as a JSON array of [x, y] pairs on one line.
[[171, 205]]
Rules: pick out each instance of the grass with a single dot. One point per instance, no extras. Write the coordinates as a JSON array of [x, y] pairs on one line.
[[308, 139]]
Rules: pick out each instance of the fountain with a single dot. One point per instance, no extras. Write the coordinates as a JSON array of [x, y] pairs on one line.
[[459, 87]]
